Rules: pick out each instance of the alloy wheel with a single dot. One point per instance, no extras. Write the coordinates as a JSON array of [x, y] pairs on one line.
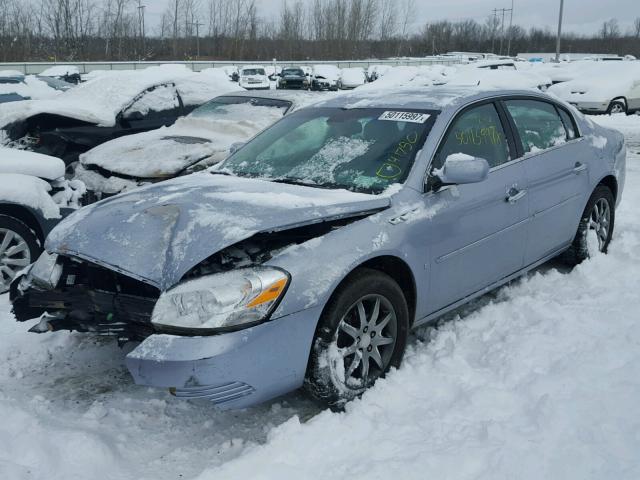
[[14, 256], [600, 221], [366, 337]]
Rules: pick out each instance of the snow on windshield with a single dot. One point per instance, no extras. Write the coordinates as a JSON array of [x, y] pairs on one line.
[[321, 167], [238, 111], [359, 149]]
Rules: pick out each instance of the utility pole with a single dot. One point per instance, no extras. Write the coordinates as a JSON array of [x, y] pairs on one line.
[[141, 25], [510, 30], [197, 25], [493, 29], [559, 32], [495, 21]]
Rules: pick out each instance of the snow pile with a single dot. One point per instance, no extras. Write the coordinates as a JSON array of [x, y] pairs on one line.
[[29, 191]]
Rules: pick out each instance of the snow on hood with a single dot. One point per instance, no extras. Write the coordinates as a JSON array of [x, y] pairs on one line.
[[158, 233], [30, 163], [497, 79], [169, 150], [100, 99], [28, 191]]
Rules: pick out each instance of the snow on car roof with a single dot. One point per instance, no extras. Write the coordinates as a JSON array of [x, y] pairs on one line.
[[101, 99], [432, 98]]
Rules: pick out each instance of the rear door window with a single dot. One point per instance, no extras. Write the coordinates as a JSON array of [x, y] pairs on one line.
[[477, 132], [538, 124]]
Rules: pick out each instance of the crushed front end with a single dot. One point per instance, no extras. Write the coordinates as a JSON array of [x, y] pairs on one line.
[[67, 294]]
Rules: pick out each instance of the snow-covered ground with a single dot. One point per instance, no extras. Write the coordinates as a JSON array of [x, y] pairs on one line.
[[537, 380]]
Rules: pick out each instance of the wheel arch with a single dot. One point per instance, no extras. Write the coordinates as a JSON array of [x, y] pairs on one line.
[[397, 269], [611, 183], [26, 216]]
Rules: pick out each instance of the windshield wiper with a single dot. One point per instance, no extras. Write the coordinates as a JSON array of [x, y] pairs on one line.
[[219, 172]]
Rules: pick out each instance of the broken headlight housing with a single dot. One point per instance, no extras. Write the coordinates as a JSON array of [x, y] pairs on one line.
[[223, 301]]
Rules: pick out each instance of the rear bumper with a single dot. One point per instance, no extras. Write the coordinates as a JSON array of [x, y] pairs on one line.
[[233, 370]]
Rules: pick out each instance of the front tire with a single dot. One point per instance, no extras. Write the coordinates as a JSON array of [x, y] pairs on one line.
[[596, 227], [617, 106], [19, 246], [361, 334]]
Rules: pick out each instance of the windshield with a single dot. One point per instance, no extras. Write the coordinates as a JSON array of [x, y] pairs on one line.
[[240, 108], [253, 71], [362, 150], [293, 71]]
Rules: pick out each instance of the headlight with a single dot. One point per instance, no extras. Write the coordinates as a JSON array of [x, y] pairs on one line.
[[221, 301]]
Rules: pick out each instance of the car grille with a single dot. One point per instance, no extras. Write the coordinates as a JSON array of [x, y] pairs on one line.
[[217, 394], [89, 298]]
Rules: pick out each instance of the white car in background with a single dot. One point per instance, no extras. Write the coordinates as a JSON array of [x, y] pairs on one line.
[[613, 87], [325, 77], [254, 77], [351, 78]]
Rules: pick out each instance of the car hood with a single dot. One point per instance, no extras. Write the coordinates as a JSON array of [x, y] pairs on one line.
[[158, 233], [167, 151], [30, 163]]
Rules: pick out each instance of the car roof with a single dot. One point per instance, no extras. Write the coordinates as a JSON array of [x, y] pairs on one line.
[[426, 98], [247, 67]]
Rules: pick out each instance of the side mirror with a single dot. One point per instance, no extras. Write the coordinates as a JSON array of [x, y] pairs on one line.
[[235, 147], [460, 169]]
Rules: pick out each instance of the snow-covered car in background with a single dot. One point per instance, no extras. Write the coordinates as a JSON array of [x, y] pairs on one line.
[[308, 255], [293, 78], [254, 77], [325, 77], [610, 88], [376, 71], [66, 73], [197, 141], [351, 78], [34, 196], [111, 105], [15, 86]]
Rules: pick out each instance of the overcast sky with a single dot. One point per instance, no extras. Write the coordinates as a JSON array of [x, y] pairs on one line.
[[581, 16]]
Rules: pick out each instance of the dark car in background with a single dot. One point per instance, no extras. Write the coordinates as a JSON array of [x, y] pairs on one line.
[[293, 78], [109, 106]]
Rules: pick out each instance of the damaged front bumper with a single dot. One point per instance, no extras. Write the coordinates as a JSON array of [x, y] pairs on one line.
[[233, 369]]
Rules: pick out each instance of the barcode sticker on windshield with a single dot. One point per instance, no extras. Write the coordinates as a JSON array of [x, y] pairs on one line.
[[412, 117]]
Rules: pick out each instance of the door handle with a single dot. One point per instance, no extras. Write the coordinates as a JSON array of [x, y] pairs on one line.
[[579, 167], [514, 195]]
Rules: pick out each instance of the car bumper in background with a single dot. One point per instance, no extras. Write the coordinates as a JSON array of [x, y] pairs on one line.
[[233, 370], [591, 107]]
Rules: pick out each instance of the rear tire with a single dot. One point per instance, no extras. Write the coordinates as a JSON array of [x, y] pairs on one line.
[[361, 334], [19, 246], [595, 229]]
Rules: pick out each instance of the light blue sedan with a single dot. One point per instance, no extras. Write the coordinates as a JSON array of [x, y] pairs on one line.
[[308, 255]]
